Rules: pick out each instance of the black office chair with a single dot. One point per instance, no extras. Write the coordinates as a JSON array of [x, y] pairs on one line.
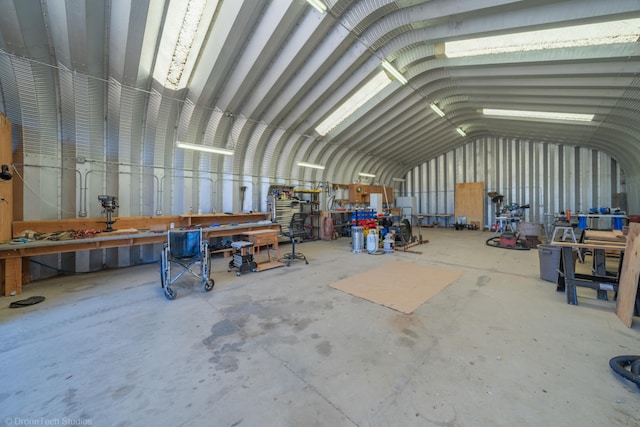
[[296, 231]]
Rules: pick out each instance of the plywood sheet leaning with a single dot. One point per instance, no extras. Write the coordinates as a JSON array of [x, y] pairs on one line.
[[469, 202], [628, 287], [6, 187], [398, 285]]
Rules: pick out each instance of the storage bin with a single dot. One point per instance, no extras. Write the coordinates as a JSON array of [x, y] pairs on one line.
[[549, 256]]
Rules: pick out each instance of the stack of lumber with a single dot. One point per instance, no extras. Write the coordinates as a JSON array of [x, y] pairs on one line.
[[607, 239]]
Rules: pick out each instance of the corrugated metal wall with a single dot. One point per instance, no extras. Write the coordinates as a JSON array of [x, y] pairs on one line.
[[548, 177]]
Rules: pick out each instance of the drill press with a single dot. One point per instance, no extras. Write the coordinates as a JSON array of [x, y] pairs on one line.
[[109, 204]]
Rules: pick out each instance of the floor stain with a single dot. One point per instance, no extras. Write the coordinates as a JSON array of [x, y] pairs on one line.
[[401, 322], [290, 339], [70, 401], [324, 348], [301, 324], [410, 333], [122, 391], [241, 313], [223, 354], [483, 280], [225, 359], [405, 342], [221, 329]]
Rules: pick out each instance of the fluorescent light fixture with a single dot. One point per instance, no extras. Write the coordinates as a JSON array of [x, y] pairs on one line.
[[438, 111], [318, 5], [461, 132], [355, 101], [368, 175], [398, 179], [544, 115], [604, 33], [205, 148], [395, 73], [310, 165]]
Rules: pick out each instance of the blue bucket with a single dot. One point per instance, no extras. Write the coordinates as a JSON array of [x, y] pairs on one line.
[[582, 222], [617, 223]]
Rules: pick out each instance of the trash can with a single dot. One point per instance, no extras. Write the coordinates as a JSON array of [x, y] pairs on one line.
[[549, 256]]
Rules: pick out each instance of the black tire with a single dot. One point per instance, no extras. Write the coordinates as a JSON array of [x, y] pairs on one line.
[[170, 293], [163, 270], [208, 285]]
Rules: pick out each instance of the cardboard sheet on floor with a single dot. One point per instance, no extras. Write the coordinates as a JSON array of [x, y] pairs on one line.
[[402, 286]]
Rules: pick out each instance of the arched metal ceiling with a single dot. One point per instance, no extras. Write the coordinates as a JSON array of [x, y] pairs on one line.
[[92, 78]]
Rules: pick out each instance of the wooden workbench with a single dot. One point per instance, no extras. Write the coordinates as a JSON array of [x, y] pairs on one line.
[[625, 283], [262, 238], [15, 257], [136, 222]]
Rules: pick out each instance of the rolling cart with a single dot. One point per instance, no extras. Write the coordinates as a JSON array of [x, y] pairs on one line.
[[242, 257]]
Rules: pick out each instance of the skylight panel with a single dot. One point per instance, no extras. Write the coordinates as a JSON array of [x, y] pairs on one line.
[[623, 31]]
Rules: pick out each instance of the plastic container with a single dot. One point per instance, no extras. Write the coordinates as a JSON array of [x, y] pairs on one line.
[[387, 244], [372, 241], [549, 256]]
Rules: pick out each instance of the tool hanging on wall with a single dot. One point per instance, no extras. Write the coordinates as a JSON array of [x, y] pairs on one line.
[[243, 189]]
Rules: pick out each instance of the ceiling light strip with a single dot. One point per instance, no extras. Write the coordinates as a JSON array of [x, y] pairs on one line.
[[368, 175], [318, 5], [438, 111], [204, 148], [461, 132], [310, 165], [354, 102], [395, 73], [545, 115]]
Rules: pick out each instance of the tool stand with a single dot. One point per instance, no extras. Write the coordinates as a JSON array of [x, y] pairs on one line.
[[242, 258]]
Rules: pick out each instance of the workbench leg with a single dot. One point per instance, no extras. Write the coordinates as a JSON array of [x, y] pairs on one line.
[[26, 271], [12, 276], [600, 269], [560, 279], [569, 275]]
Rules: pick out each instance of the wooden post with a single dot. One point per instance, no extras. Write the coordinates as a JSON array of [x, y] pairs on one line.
[[6, 203]]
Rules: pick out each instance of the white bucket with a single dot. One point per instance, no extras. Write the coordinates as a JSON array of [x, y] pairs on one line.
[[372, 241], [387, 245]]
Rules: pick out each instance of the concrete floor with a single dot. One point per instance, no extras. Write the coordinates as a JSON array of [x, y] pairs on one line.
[[498, 347]]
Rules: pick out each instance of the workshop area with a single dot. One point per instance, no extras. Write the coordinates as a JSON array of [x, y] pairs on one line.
[[497, 347], [320, 212]]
